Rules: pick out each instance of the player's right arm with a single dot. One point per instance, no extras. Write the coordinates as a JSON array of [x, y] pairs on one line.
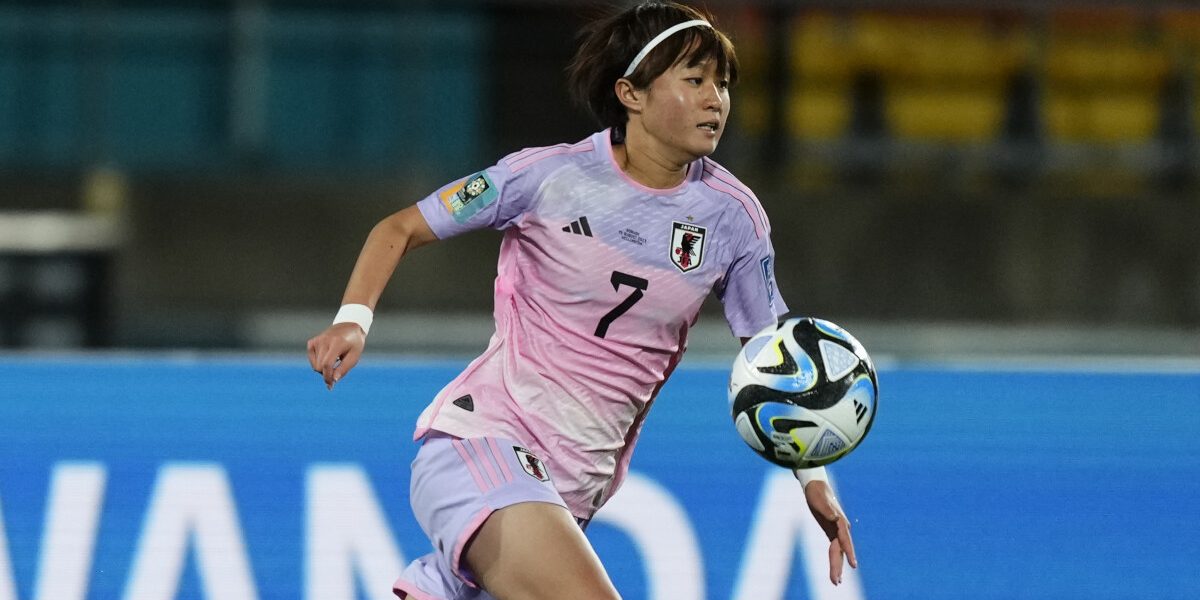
[[335, 351]]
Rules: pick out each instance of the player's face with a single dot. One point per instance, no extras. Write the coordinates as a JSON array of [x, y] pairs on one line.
[[686, 108]]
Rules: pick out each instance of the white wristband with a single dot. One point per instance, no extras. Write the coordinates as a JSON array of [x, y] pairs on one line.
[[358, 314], [804, 476]]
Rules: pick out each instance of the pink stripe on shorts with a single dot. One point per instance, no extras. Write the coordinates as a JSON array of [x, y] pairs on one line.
[[456, 485]]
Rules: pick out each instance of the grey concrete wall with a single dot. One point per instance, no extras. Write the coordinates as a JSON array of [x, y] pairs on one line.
[[202, 254]]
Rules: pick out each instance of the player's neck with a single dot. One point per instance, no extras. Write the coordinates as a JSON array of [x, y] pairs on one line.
[[641, 159]]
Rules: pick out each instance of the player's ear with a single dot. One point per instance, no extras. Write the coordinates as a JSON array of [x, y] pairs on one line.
[[628, 95]]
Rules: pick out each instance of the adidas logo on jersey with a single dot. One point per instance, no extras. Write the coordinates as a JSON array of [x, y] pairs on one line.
[[466, 403], [579, 226]]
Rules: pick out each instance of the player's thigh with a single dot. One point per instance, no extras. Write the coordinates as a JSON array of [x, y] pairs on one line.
[[536, 551]]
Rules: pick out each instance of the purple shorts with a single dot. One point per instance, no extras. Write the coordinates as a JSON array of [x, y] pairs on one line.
[[456, 485]]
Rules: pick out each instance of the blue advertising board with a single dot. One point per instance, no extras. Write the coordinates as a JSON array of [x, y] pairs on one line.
[[241, 478]]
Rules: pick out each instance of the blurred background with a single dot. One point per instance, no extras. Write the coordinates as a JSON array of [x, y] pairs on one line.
[[944, 176]]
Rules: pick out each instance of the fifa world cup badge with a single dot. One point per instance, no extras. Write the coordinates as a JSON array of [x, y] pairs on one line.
[[687, 245], [468, 196]]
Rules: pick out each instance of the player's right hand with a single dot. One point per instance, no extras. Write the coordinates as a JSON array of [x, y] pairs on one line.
[[335, 351]]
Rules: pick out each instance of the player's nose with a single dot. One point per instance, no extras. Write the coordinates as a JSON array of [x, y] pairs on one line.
[[712, 98]]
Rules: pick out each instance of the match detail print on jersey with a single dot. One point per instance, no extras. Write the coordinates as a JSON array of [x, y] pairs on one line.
[[687, 245]]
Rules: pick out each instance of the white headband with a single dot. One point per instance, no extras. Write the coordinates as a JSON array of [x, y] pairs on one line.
[[637, 60]]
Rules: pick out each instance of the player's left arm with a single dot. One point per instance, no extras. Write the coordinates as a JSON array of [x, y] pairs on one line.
[[749, 287], [823, 505], [829, 515]]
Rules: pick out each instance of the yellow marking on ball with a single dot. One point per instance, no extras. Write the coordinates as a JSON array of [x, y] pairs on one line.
[[779, 360], [799, 442]]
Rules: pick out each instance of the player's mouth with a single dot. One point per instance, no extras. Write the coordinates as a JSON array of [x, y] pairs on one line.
[[709, 126]]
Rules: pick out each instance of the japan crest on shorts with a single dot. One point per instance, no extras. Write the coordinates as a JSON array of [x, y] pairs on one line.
[[687, 245], [532, 464]]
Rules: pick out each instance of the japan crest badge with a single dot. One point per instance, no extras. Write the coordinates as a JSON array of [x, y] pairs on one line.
[[687, 245]]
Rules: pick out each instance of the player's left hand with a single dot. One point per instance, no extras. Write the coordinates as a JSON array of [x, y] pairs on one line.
[[825, 508]]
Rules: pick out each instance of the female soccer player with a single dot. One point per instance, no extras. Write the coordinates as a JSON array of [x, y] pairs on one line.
[[610, 246]]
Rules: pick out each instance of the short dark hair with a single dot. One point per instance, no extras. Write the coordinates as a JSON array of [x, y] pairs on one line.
[[609, 44]]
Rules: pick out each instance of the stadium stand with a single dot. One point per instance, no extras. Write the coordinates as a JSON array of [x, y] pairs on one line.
[[944, 77], [1103, 78]]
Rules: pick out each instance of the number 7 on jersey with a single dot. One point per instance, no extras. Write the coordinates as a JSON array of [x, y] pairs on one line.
[[618, 279]]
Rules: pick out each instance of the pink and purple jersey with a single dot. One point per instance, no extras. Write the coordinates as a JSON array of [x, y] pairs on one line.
[[599, 279]]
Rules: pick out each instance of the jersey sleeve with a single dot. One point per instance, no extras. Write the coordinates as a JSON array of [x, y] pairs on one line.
[[748, 291], [493, 197]]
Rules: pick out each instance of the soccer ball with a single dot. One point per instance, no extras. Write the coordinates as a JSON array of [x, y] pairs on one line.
[[803, 393]]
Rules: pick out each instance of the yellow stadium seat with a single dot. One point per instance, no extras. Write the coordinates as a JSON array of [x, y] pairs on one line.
[[945, 78], [1103, 82], [945, 113], [819, 110], [823, 67], [820, 47]]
